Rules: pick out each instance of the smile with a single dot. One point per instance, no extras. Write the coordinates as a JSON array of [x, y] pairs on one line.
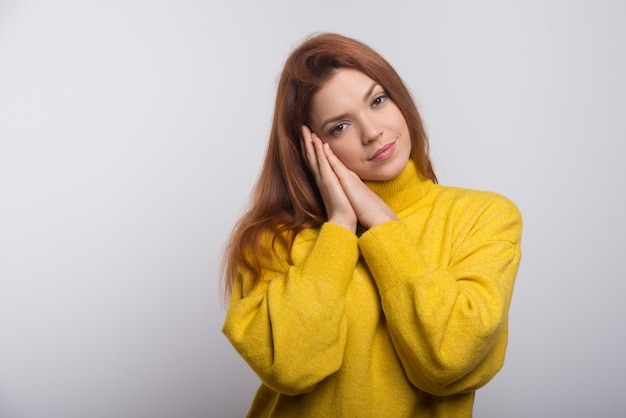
[[385, 152]]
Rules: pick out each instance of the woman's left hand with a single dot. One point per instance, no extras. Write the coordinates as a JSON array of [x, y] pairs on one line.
[[370, 209]]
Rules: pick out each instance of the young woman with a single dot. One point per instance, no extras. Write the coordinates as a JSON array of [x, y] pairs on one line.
[[358, 286]]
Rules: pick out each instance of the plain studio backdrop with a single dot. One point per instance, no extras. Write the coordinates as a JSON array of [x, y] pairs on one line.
[[131, 133]]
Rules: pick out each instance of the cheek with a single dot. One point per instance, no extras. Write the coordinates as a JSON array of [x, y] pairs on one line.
[[344, 153]]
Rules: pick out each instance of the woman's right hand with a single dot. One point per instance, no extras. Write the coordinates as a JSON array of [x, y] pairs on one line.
[[338, 207]]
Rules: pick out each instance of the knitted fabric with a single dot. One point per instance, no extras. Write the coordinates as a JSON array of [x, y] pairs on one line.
[[408, 319]]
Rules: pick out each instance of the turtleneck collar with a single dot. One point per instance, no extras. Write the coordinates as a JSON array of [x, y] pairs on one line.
[[402, 191]]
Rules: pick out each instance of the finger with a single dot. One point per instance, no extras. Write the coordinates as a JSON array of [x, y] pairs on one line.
[[304, 138], [327, 179], [322, 161], [338, 167], [308, 150]]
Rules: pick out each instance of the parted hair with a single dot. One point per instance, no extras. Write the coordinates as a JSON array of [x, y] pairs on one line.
[[285, 198]]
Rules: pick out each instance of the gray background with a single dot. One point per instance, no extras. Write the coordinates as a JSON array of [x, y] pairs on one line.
[[131, 133]]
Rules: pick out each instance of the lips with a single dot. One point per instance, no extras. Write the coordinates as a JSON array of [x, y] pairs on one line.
[[385, 152]]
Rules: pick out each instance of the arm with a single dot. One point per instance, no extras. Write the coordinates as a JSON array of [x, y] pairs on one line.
[[290, 328], [448, 322]]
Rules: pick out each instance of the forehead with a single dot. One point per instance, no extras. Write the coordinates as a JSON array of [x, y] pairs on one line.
[[345, 89], [344, 80]]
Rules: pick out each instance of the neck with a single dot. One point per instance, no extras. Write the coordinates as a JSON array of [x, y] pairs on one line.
[[403, 190]]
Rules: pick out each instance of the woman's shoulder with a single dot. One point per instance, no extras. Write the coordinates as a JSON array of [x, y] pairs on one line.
[[282, 239], [467, 198], [481, 214]]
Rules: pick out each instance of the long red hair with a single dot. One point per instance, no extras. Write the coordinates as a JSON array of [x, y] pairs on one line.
[[286, 198]]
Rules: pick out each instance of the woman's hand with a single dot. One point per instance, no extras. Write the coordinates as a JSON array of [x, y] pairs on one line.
[[338, 207], [368, 208]]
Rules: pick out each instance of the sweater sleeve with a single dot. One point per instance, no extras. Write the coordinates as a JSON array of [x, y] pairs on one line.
[[290, 327], [447, 315]]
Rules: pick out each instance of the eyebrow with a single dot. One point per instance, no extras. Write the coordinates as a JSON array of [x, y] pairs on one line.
[[343, 115]]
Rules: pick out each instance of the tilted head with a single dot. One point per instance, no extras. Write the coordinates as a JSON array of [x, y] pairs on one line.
[[308, 68]]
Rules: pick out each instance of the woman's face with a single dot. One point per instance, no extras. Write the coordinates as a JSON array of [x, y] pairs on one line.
[[362, 125]]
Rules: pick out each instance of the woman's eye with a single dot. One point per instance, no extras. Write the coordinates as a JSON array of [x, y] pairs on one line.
[[379, 100], [339, 128]]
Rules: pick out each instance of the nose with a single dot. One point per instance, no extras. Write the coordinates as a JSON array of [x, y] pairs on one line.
[[371, 132]]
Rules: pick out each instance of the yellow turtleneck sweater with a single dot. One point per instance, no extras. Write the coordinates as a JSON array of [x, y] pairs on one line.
[[406, 320]]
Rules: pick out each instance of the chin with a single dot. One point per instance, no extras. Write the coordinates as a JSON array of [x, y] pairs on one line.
[[384, 174]]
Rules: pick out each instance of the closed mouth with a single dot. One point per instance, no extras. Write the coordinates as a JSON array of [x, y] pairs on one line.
[[384, 152]]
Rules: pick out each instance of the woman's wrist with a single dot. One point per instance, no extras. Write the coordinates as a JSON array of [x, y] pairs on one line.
[[346, 223]]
